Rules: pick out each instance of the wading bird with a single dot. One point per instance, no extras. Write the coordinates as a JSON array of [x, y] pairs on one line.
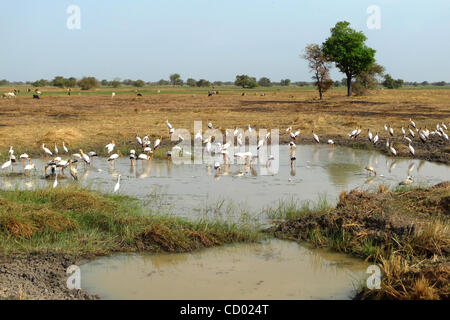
[[117, 186], [315, 137], [47, 151], [370, 169]]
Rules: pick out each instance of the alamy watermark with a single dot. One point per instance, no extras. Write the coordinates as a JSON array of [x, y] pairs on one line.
[[74, 19], [373, 22]]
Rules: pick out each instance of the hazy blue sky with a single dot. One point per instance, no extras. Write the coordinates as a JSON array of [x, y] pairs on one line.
[[213, 39]]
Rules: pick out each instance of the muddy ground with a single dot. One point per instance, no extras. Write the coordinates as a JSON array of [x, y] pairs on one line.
[[38, 277]]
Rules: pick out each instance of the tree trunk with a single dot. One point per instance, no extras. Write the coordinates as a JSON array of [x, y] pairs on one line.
[[349, 85]]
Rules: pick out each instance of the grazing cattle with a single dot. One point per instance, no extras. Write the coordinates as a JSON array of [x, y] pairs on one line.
[[113, 95], [9, 95], [36, 96], [243, 93], [139, 94]]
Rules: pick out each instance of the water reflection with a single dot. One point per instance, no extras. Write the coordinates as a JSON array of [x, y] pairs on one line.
[[271, 270], [317, 170]]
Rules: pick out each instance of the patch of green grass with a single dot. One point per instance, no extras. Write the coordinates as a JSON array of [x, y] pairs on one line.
[[292, 208], [83, 222]]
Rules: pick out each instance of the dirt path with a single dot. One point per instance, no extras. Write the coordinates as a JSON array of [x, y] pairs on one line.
[[38, 277]]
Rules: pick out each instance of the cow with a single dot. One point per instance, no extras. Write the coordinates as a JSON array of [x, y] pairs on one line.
[[9, 95]]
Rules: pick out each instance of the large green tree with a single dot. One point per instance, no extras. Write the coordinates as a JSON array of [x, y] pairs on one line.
[[347, 49], [245, 81]]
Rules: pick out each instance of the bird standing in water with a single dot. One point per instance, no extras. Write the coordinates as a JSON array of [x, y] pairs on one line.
[[117, 186]]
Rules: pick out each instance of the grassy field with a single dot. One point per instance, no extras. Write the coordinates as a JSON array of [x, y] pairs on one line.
[[91, 119]]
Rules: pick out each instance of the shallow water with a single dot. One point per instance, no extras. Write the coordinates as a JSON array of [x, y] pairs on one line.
[[196, 189], [272, 270]]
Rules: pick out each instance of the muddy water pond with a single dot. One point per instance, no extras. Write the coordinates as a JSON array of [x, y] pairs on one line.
[[273, 269], [196, 189]]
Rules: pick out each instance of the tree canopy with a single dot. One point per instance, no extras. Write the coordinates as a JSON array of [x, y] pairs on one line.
[[245, 81], [347, 49]]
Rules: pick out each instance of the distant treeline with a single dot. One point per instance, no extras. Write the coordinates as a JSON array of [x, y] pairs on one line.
[[243, 81]]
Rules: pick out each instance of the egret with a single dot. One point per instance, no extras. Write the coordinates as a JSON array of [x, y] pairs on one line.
[[117, 186], [73, 170], [369, 135], [55, 183], [110, 146], [406, 182], [411, 149], [316, 137], [370, 169], [65, 148], [56, 149], [375, 139], [47, 151], [85, 157]]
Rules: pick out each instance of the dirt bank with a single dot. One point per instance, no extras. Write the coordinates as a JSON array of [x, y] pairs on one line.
[[38, 277], [406, 232]]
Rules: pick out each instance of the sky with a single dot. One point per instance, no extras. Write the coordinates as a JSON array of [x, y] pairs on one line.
[[214, 39]]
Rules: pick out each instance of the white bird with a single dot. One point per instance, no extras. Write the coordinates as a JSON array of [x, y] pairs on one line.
[[260, 144], [11, 150], [249, 128], [407, 139], [385, 127], [47, 151], [110, 146], [445, 135], [139, 140], [77, 155], [56, 149], [210, 126], [369, 135], [331, 142], [169, 125], [23, 156], [239, 139], [208, 146], [403, 131], [198, 136], [29, 167], [411, 150], [65, 148], [85, 157], [55, 183], [117, 186], [157, 144], [408, 181], [411, 132], [316, 137], [172, 131], [375, 139], [235, 132], [412, 123], [393, 151], [444, 126], [113, 157], [370, 169], [7, 164], [391, 131]]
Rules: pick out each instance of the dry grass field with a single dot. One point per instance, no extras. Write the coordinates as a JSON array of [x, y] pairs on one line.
[[92, 119]]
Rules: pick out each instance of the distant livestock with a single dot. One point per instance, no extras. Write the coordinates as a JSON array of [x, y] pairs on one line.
[[113, 95], [36, 96], [9, 95]]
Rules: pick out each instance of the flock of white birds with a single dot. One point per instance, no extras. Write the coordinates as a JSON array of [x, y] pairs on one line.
[[409, 136]]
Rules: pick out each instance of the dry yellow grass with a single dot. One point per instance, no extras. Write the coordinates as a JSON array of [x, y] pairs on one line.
[[93, 120]]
